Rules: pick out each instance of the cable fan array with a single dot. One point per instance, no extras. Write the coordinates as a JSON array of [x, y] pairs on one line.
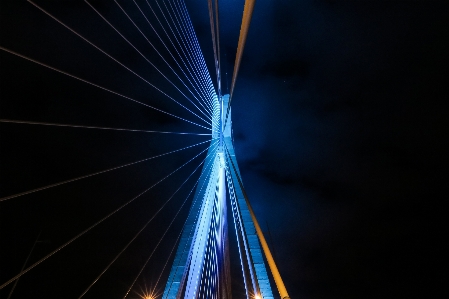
[[168, 46]]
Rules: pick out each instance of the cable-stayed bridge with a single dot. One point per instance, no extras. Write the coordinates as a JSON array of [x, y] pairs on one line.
[[198, 265]]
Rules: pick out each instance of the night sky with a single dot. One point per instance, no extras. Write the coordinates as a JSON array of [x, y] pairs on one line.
[[339, 126]]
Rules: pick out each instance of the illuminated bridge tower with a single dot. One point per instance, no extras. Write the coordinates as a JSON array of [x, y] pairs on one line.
[[201, 265]]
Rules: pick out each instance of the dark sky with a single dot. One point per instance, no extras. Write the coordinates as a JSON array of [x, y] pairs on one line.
[[339, 125]]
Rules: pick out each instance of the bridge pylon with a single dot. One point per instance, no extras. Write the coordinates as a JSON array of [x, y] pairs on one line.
[[200, 269]]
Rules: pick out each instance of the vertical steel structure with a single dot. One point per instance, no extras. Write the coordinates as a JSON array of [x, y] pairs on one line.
[[201, 266]]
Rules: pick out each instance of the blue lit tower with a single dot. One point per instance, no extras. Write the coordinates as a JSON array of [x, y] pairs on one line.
[[201, 265]]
